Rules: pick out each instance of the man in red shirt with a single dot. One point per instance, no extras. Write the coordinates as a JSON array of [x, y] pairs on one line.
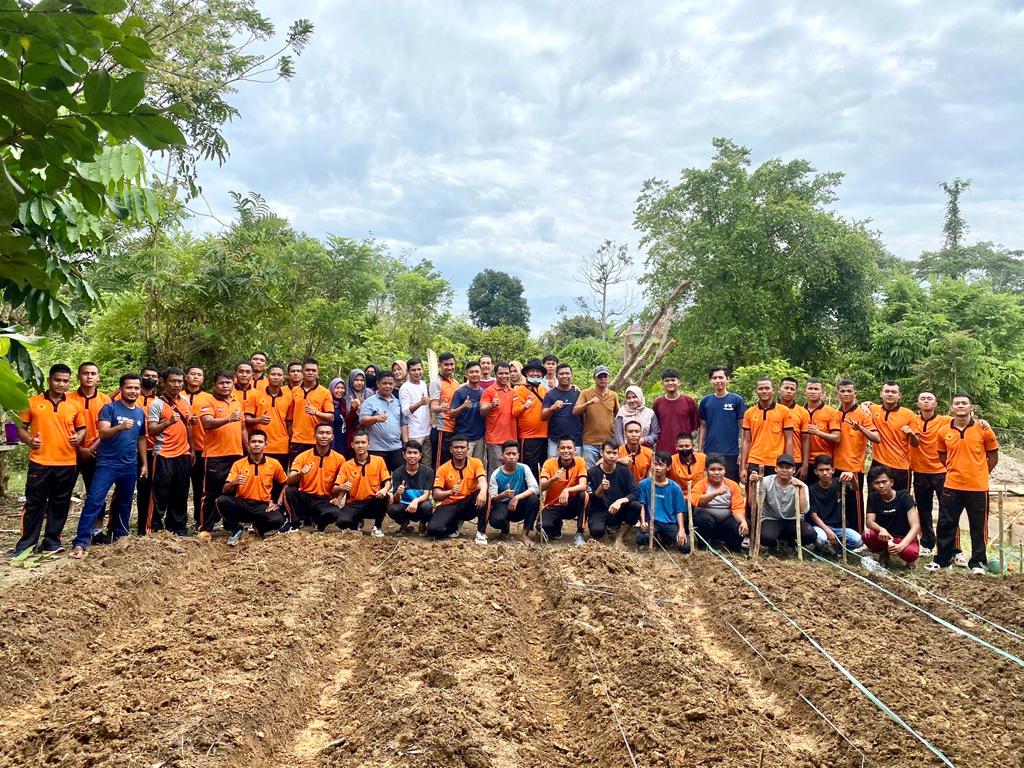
[[676, 412]]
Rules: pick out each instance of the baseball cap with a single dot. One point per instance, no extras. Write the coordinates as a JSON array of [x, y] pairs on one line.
[[602, 370], [785, 459]]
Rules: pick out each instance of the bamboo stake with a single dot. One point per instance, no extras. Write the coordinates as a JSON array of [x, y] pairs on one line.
[[799, 528], [1002, 561], [842, 512], [654, 504], [689, 509]]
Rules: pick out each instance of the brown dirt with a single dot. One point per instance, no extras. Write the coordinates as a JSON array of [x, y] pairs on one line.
[[311, 651]]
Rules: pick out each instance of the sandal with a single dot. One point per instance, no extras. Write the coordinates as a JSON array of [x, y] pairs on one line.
[[78, 553], [934, 567]]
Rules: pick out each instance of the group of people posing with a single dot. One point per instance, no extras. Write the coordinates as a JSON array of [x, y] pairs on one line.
[[269, 448]]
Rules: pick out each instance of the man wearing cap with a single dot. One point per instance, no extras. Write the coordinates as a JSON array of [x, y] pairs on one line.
[[527, 407], [598, 406], [785, 505]]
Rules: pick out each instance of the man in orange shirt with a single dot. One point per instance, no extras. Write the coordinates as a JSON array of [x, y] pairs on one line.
[[688, 465], [929, 473], [90, 400], [856, 430], [168, 422], [633, 455], [497, 404], [460, 491], [312, 404], [52, 427], [767, 432], [441, 391], [718, 513], [270, 409], [533, 430], [365, 481], [314, 482], [822, 432], [895, 426], [801, 421], [294, 375], [563, 481], [258, 361], [251, 493], [195, 377], [223, 422], [969, 452], [243, 386]]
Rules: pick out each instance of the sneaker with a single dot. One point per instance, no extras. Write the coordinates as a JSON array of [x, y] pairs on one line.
[[204, 536], [377, 533], [236, 537], [481, 538], [453, 535], [960, 560], [863, 548], [288, 527], [100, 537], [925, 551], [580, 541], [745, 544], [980, 570]]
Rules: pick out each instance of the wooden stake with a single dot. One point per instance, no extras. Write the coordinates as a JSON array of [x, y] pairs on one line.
[[654, 504], [799, 528], [842, 513], [689, 510], [1002, 563]]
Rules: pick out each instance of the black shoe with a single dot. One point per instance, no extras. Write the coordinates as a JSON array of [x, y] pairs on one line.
[[100, 537]]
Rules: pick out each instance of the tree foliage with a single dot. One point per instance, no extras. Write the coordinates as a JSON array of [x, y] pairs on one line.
[[496, 298]]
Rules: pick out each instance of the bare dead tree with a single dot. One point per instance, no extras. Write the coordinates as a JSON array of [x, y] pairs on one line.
[[606, 267], [651, 349]]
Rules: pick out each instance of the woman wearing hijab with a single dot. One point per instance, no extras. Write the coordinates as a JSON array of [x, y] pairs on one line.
[[355, 394], [635, 409], [399, 372], [371, 373], [515, 373], [341, 416]]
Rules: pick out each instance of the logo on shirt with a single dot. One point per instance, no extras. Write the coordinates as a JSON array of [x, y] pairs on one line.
[[727, 406]]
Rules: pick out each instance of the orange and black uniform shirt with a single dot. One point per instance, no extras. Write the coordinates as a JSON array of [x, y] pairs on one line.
[[825, 418], [53, 423], [90, 412], [894, 450], [225, 440], [366, 478], [303, 425], [173, 441], [924, 457], [767, 427], [689, 472], [530, 424], [640, 462], [967, 456], [448, 476], [324, 475], [260, 478], [852, 448], [200, 400], [443, 390], [279, 408], [552, 469], [801, 418]]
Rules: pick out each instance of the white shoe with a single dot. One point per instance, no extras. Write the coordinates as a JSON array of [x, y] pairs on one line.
[[980, 571], [960, 560], [481, 538], [453, 535], [377, 533], [925, 552], [745, 544], [860, 549], [580, 541]]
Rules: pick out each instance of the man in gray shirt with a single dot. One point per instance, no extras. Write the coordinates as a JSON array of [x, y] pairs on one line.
[[381, 417], [785, 502]]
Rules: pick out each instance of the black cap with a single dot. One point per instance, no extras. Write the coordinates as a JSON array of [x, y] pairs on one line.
[[785, 459], [533, 364]]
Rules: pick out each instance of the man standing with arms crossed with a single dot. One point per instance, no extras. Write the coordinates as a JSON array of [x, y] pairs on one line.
[[676, 412], [969, 452], [415, 400], [929, 472], [441, 391], [721, 415], [856, 430], [597, 406]]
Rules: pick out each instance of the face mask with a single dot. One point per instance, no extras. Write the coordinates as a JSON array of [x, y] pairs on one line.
[[686, 454], [371, 381], [535, 380], [148, 383]]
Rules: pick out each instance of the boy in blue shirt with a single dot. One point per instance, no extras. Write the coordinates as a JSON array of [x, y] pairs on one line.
[[669, 508], [721, 415], [120, 460], [514, 496], [466, 410]]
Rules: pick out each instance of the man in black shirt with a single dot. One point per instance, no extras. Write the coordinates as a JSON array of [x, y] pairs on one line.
[[610, 484], [412, 483], [893, 524], [826, 511]]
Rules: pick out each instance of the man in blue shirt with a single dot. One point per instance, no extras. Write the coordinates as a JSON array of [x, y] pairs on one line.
[[721, 417], [380, 416], [469, 422], [120, 460], [514, 497], [669, 509], [557, 412]]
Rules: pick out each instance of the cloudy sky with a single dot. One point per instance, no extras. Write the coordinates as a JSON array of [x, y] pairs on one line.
[[517, 135]]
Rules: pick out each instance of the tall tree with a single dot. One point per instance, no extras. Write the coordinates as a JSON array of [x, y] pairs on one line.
[[602, 270], [770, 270], [496, 298]]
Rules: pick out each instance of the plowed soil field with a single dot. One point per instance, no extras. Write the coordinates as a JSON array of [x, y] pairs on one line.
[[333, 650]]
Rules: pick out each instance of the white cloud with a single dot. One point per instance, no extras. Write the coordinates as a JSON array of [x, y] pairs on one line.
[[517, 135]]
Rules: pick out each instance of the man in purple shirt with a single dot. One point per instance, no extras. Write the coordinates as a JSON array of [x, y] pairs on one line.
[[676, 412]]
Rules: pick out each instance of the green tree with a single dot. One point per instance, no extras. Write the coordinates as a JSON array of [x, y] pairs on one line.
[[567, 328], [496, 298], [772, 272]]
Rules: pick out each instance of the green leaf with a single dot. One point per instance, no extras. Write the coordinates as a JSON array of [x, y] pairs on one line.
[[127, 92], [131, 161], [103, 7], [152, 206], [138, 46], [13, 392], [10, 191], [97, 90], [127, 59]]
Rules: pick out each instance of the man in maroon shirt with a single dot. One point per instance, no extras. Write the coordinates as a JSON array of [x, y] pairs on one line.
[[676, 412]]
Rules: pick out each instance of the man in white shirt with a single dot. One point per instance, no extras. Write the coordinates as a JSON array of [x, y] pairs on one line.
[[415, 402]]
